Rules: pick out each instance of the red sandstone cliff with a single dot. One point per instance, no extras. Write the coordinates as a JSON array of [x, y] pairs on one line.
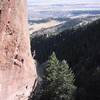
[[17, 68]]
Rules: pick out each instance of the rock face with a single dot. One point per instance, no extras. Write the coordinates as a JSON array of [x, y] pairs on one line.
[[17, 68]]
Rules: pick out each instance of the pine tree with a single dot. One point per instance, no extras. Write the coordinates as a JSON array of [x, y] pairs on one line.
[[59, 80]]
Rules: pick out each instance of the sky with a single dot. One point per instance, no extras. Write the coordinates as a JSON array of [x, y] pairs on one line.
[[62, 1]]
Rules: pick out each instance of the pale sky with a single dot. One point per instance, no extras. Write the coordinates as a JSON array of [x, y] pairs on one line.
[[62, 1]]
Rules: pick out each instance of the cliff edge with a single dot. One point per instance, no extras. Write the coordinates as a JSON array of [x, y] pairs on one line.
[[17, 67]]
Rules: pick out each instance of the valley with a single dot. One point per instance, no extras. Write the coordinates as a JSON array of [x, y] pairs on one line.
[[53, 26], [67, 35]]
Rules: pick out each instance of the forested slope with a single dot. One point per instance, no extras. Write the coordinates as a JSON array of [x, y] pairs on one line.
[[81, 48]]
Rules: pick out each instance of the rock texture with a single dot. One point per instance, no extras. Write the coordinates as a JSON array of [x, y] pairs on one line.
[[17, 68]]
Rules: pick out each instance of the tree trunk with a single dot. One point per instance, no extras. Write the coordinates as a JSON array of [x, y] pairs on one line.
[[17, 68]]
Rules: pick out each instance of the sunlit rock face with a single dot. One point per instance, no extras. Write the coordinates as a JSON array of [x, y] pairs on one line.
[[17, 68]]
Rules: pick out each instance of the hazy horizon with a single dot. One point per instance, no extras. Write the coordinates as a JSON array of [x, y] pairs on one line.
[[62, 8], [39, 2], [63, 4]]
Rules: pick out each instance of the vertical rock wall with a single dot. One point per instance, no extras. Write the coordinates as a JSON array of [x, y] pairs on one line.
[[17, 68]]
